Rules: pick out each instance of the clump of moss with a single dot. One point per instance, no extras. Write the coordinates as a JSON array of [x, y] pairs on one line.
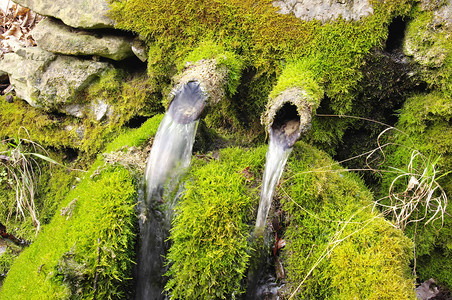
[[224, 59], [210, 252], [96, 225], [127, 97], [332, 230], [50, 184], [42, 127], [210, 249]]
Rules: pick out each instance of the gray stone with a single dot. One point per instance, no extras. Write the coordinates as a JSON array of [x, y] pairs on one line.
[[48, 81], [100, 109], [443, 16], [77, 13], [325, 10], [140, 49], [56, 37]]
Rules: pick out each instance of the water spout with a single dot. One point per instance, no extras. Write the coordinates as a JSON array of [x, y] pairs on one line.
[[171, 152], [288, 116], [201, 82], [170, 156]]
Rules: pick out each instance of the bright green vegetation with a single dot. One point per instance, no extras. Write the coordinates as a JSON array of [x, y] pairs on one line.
[[425, 123], [87, 249], [210, 235], [32, 184], [89, 241], [210, 252], [229, 60], [332, 229], [431, 46]]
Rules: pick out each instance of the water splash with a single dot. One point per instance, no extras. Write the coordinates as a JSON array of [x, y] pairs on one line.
[[169, 158]]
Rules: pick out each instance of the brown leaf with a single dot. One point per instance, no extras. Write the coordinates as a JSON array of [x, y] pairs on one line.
[[14, 30], [247, 174]]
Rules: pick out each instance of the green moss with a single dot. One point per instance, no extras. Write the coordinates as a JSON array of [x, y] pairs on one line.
[[227, 59], [210, 250], [336, 50], [329, 210], [53, 182], [299, 74], [437, 264], [424, 123], [42, 127], [96, 228], [87, 249], [209, 255], [6, 261], [136, 137]]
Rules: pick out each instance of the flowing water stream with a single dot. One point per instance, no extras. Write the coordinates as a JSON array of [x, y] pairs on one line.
[[169, 158], [284, 132], [283, 135], [276, 158]]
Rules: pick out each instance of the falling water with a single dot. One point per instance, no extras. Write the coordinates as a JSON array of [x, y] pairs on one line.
[[284, 132], [282, 138], [170, 156]]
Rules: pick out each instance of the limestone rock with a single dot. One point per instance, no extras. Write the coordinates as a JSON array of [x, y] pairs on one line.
[[77, 13], [325, 10], [428, 41], [48, 81], [140, 49], [54, 36]]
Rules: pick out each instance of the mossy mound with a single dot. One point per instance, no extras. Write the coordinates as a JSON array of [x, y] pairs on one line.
[[210, 253], [211, 249], [424, 142], [87, 250], [429, 42], [335, 245]]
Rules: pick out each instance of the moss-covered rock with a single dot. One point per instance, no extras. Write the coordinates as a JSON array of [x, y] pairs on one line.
[[335, 245], [210, 254], [328, 215], [265, 40], [429, 42], [87, 250], [422, 146]]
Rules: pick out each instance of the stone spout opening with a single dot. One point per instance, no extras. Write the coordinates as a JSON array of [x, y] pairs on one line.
[[188, 103], [288, 117], [286, 125]]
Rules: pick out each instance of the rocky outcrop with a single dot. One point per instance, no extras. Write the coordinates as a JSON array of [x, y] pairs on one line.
[[50, 81], [54, 36], [77, 13], [325, 10]]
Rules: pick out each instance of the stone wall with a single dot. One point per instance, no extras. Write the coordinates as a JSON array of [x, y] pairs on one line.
[[76, 44]]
